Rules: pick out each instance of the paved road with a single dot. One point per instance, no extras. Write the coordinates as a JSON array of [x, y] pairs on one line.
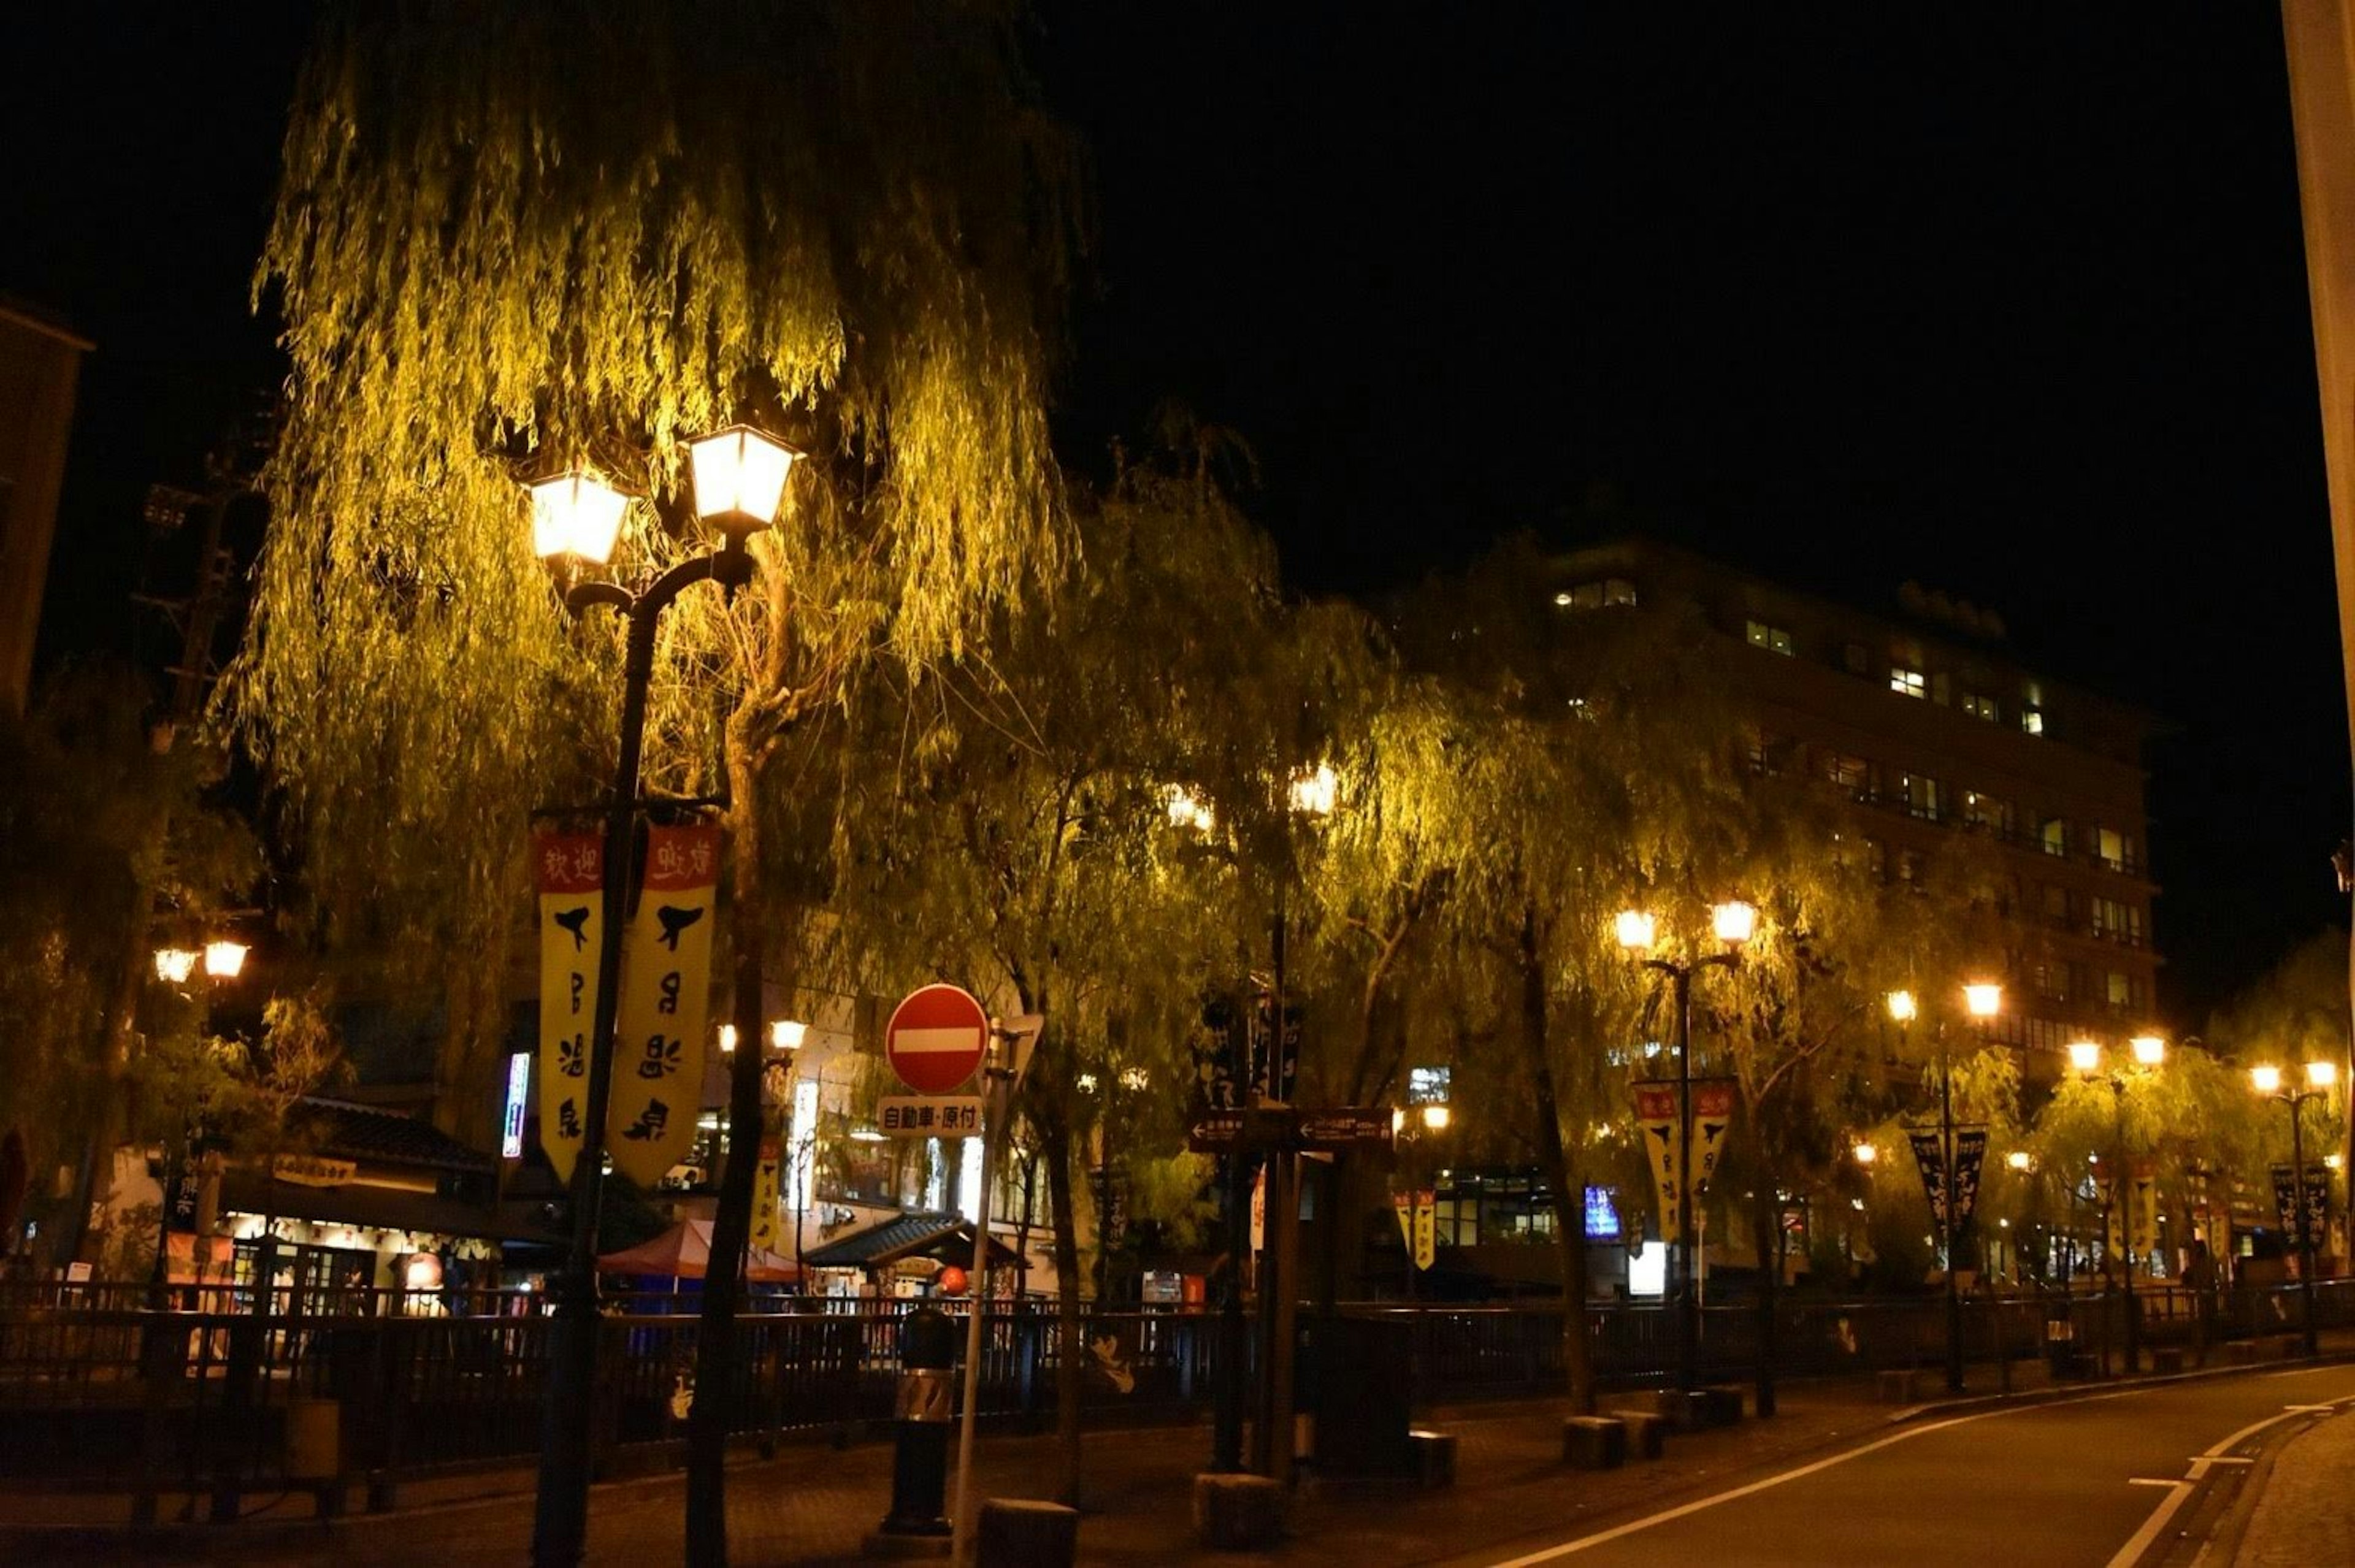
[[2103, 1479]]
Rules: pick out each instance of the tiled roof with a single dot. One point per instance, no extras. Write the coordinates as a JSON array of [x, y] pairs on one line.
[[372, 1133], [946, 1236]]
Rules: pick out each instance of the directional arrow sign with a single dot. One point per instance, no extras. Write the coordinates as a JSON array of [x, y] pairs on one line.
[[1344, 1126], [1216, 1132]]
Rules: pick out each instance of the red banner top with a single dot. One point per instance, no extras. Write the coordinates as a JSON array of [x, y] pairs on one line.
[[568, 862], [682, 858]]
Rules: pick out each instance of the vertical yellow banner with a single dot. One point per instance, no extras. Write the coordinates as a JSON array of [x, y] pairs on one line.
[[569, 869], [1663, 1136], [1426, 1228], [666, 993], [765, 1189], [2144, 1235]]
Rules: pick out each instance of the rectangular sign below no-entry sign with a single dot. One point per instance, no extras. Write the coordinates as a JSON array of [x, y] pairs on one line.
[[929, 1116], [1344, 1126]]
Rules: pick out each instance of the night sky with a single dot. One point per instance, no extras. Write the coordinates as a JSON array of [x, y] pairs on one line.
[[2017, 309]]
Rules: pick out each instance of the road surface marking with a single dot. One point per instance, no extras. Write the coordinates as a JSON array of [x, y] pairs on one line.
[[1667, 1516], [2151, 1481], [2311, 1409], [2132, 1552]]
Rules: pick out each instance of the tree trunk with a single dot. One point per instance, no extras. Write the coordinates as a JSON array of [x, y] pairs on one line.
[[1055, 1148], [710, 1416], [1568, 1187], [1766, 1234]]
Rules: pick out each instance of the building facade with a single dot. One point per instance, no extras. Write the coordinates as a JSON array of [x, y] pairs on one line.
[[1924, 722], [40, 363]]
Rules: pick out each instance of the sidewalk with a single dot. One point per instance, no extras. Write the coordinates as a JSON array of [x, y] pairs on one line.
[[814, 1505], [2307, 1512]]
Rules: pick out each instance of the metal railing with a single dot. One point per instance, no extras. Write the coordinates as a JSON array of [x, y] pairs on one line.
[[133, 1398]]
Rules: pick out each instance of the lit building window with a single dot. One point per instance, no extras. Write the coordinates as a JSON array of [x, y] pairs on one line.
[[1979, 705], [1989, 812], [2114, 849], [1774, 639], [2121, 989], [2031, 720], [1610, 592], [1908, 682], [1921, 794], [1850, 773], [2032, 707], [2052, 835]]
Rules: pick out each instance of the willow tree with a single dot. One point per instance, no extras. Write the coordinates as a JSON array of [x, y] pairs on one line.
[[1588, 757], [513, 234], [1011, 825]]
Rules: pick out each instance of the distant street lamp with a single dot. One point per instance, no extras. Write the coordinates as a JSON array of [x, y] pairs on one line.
[[1732, 924], [2319, 1078], [739, 483], [2085, 1056], [222, 959]]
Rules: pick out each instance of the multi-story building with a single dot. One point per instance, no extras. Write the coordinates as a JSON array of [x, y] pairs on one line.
[[39, 361], [1926, 723]]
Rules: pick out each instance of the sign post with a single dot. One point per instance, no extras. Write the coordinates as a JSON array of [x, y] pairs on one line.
[[998, 1082]]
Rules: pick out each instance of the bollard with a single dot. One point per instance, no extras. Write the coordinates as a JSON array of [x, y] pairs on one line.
[[919, 1450]]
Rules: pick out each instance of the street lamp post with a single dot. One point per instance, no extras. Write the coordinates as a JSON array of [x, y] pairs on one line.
[[2085, 1056], [2320, 1077], [1733, 922], [221, 959], [739, 483]]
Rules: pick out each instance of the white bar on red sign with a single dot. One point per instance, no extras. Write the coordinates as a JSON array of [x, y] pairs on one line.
[[920, 1041]]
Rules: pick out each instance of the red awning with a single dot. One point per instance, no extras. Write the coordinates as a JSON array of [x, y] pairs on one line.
[[685, 1250]]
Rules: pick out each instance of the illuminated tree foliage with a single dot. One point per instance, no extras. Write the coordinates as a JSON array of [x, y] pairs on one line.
[[512, 235], [1008, 825]]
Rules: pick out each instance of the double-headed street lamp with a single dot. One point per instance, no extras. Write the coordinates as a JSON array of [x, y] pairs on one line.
[[1732, 924], [1983, 1000], [2319, 1078], [739, 483], [2085, 1056]]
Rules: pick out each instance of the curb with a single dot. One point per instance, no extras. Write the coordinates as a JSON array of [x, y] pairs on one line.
[[1948, 1407]]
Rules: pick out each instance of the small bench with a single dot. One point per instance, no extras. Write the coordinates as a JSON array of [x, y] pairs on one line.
[[1435, 1458], [1647, 1432], [1720, 1404], [1594, 1443]]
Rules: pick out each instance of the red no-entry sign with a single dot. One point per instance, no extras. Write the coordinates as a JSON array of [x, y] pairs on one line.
[[936, 1037]]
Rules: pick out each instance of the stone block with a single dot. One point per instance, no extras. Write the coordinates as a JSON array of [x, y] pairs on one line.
[[1237, 1513], [1594, 1442], [2166, 1360], [1647, 1432], [1720, 1404], [1899, 1386], [1435, 1456], [1021, 1533]]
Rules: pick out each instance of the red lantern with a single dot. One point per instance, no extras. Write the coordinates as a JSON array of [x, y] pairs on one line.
[[952, 1280]]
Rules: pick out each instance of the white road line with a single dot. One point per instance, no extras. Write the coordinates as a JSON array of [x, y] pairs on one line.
[[1585, 1541], [2150, 1481], [2131, 1553], [1600, 1538]]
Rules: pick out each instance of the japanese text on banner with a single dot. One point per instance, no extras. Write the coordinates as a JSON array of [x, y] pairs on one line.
[[570, 871], [666, 994]]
